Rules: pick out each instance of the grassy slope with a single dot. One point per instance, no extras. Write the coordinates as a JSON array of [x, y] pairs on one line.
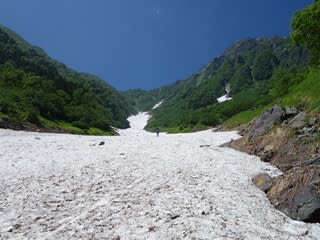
[[305, 94], [194, 107], [242, 118], [68, 127]]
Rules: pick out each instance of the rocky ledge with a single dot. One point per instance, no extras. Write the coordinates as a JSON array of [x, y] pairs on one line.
[[288, 138]]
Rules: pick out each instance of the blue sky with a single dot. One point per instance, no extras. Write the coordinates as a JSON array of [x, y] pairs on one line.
[[144, 43]]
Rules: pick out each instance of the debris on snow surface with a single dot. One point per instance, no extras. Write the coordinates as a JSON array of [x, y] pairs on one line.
[[135, 186]]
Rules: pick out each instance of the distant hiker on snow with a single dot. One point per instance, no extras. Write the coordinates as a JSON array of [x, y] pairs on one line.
[[157, 131]]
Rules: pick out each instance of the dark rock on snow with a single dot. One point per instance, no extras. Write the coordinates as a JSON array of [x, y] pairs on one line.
[[263, 181], [175, 216], [101, 143]]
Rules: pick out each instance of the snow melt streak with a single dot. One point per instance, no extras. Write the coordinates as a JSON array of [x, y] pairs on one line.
[[136, 186]]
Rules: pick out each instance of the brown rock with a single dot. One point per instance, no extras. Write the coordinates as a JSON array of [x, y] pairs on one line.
[[263, 181]]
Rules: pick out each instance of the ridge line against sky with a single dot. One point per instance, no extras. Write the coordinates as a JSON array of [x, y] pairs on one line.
[[144, 43]]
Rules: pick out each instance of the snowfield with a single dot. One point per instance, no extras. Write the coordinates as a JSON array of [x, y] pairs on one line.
[[135, 186]]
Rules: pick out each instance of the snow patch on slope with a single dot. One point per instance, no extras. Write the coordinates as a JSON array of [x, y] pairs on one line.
[[224, 98], [157, 105]]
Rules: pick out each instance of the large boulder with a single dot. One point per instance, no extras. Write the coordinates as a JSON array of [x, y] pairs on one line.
[[263, 181], [306, 204], [264, 122], [297, 193]]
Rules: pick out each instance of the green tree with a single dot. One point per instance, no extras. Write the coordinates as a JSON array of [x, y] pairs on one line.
[[306, 29], [280, 82], [241, 79], [263, 65]]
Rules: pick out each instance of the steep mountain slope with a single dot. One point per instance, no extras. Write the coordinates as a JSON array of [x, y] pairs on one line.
[[37, 90], [288, 134], [245, 67]]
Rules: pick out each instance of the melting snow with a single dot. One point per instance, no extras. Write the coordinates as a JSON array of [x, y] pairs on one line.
[[223, 98], [135, 186], [157, 105]]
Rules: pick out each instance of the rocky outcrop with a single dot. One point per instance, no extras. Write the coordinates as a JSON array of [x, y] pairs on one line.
[[289, 139], [289, 112], [297, 193], [306, 204], [264, 122], [298, 121]]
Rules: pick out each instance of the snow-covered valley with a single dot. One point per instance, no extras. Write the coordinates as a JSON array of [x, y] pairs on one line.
[[135, 186]]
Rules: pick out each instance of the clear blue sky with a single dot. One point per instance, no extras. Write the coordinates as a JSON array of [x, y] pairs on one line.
[[143, 43]]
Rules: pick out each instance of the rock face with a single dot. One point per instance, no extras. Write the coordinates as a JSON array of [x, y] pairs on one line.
[[289, 111], [297, 193], [264, 122], [294, 147], [263, 181], [298, 121], [306, 204]]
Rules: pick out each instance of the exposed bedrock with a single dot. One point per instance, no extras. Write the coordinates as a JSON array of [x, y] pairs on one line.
[[289, 139]]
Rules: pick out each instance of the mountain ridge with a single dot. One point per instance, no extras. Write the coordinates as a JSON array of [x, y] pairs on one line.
[[246, 64]]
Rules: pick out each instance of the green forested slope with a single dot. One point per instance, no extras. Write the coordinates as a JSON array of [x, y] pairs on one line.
[[39, 90], [261, 72], [247, 66]]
